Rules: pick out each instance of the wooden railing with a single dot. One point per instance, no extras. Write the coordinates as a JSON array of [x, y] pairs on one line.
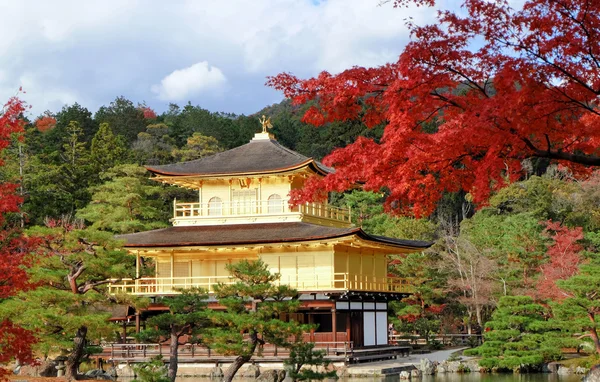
[[141, 352], [257, 207], [303, 283]]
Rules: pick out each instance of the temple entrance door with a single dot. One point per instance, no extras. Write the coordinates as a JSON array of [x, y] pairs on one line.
[[356, 330]]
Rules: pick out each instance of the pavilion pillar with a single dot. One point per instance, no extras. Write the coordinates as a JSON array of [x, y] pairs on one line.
[[348, 324], [124, 334], [137, 321], [312, 330], [137, 264], [334, 324]]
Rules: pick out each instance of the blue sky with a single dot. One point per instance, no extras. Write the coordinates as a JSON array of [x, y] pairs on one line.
[[215, 54]]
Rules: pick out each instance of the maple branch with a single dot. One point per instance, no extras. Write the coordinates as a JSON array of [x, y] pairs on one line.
[[588, 160], [585, 30], [446, 99]]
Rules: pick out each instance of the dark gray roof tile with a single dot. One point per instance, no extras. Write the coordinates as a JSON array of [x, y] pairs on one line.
[[254, 157], [240, 234]]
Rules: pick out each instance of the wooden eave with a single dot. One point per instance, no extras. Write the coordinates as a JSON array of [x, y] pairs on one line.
[[352, 241], [309, 163]]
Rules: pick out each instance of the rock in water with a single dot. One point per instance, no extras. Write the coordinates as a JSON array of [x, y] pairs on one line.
[[251, 371], [427, 367], [268, 376], [415, 374], [112, 372], [593, 375], [216, 372], [404, 375], [281, 374], [126, 371]]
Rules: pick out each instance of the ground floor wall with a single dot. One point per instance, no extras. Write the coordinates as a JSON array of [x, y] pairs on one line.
[[364, 323]]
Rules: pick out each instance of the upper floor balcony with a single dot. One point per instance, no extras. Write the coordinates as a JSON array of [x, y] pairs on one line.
[[217, 212], [308, 283]]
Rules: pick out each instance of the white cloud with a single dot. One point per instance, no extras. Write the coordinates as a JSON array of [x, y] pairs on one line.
[[190, 81], [97, 50]]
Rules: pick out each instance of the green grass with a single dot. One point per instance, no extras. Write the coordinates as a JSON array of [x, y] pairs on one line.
[[586, 361]]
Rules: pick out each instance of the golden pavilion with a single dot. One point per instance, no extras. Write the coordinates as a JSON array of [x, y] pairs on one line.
[[242, 212]]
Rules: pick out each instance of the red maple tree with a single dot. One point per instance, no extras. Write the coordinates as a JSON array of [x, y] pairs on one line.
[[148, 112], [15, 342], [468, 100], [45, 123], [564, 259]]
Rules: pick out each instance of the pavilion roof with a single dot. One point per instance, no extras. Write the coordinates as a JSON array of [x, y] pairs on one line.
[[249, 234], [256, 157]]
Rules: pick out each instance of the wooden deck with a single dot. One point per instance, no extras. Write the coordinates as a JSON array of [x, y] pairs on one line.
[[193, 353]]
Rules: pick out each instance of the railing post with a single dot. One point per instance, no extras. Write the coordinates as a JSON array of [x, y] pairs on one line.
[[174, 207]]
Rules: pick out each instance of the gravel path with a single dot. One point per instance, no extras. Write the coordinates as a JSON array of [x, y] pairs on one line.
[[414, 359], [435, 356]]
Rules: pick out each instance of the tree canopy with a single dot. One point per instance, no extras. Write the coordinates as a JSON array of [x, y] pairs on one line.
[[15, 341], [468, 100]]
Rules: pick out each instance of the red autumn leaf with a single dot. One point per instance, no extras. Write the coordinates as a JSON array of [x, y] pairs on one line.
[[15, 248], [564, 259], [468, 100], [148, 112]]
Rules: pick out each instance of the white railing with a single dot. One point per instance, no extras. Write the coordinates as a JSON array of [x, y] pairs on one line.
[[258, 207], [308, 283]]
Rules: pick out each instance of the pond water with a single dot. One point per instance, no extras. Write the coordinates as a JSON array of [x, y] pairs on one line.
[[448, 377], [507, 377]]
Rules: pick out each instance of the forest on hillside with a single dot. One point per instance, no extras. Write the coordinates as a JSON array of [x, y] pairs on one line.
[[489, 150], [84, 170]]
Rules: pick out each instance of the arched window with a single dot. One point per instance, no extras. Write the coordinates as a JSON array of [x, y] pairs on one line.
[[215, 206], [275, 204]]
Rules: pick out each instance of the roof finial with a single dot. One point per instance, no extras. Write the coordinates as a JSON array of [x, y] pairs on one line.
[[266, 123]]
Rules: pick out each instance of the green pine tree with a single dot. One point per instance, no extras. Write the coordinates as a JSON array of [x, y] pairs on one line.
[[186, 317], [69, 311], [107, 149], [127, 202], [253, 305], [581, 310], [304, 363], [197, 146], [520, 336]]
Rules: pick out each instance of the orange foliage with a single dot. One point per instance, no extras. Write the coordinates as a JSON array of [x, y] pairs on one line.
[[45, 123]]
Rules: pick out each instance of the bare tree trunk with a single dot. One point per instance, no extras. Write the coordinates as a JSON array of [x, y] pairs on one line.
[[76, 355], [478, 315], [594, 333], [240, 361], [173, 354], [469, 315]]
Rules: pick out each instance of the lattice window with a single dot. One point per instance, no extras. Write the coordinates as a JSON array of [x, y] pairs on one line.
[[215, 206], [275, 204]]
